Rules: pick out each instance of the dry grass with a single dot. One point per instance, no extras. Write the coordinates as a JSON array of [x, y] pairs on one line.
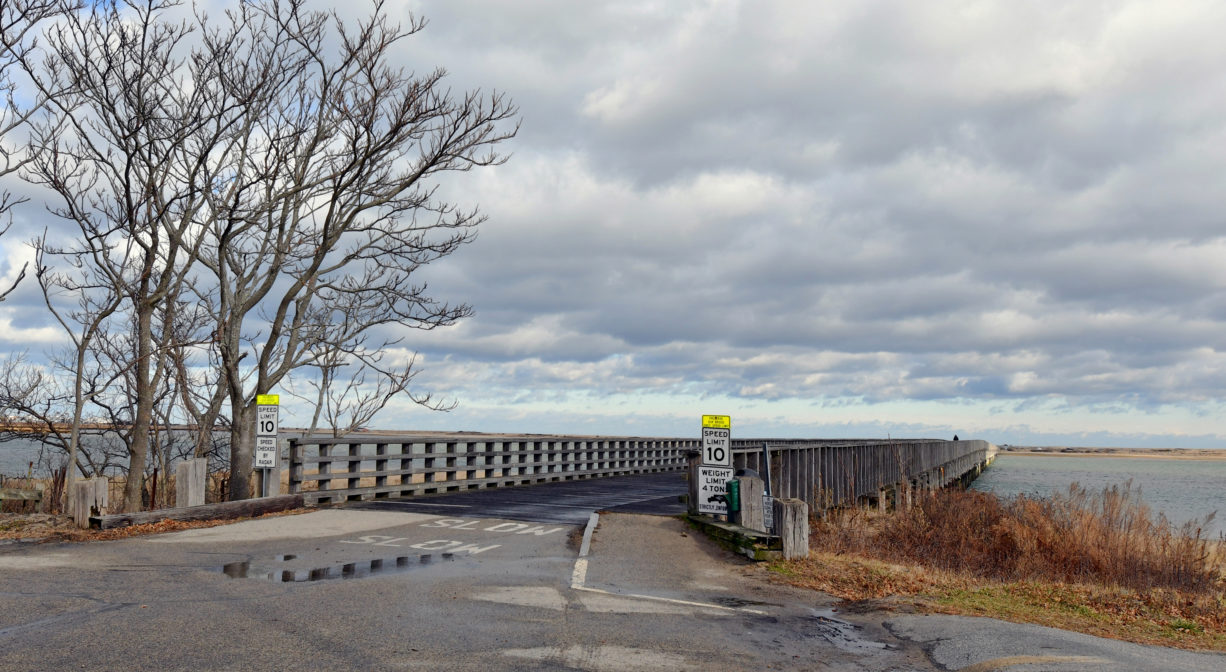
[[43, 528], [1094, 562], [21, 506]]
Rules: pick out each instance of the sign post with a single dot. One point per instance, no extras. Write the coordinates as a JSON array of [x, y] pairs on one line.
[[715, 469], [267, 424], [768, 502]]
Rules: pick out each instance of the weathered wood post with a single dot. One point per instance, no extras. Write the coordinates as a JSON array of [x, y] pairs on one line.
[[90, 496], [82, 498], [751, 515], [792, 521], [692, 459], [190, 479]]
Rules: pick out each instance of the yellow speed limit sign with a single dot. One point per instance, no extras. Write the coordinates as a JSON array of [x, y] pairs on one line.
[[717, 440]]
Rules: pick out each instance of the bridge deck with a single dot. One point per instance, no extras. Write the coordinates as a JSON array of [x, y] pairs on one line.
[[569, 502]]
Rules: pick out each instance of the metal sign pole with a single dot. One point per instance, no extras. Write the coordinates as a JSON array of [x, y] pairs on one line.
[[768, 501], [766, 466]]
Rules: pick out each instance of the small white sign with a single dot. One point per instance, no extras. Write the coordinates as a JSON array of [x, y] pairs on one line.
[[713, 489], [266, 452], [266, 420], [768, 512]]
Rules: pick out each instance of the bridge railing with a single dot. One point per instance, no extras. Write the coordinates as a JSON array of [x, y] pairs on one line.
[[327, 470], [823, 472], [830, 473]]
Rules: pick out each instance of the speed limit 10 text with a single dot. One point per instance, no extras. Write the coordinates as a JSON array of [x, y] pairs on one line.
[[716, 448]]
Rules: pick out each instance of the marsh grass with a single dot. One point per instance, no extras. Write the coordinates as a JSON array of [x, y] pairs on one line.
[[1110, 537], [1097, 562]]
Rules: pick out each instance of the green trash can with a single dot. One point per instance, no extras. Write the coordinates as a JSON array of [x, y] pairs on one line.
[[734, 496]]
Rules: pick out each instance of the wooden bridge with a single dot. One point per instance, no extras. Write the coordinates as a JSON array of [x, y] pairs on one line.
[[823, 472]]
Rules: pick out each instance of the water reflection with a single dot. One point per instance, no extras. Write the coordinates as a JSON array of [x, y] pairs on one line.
[[349, 570]]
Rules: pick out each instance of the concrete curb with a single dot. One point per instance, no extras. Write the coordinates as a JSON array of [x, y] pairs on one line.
[[757, 546], [586, 546]]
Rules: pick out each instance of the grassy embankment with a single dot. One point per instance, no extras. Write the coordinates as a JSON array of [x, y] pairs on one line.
[[1095, 563]]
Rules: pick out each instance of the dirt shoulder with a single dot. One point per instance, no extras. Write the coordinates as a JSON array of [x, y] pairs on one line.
[[33, 528]]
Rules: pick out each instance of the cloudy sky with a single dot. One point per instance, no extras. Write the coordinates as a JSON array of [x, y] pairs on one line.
[[833, 219]]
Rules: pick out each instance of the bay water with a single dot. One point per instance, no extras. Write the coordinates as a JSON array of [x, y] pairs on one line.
[[1180, 489], [16, 456]]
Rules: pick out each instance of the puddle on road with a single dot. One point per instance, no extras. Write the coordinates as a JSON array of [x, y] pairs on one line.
[[841, 634], [350, 570], [739, 602]]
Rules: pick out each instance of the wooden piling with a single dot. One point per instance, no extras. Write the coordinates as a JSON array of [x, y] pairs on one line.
[[90, 497], [792, 521], [751, 515], [190, 479]]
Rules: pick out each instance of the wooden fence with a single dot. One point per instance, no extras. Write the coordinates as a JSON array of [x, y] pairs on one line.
[[830, 473], [821, 472]]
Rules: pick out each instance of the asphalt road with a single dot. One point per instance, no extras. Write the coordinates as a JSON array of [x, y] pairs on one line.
[[354, 588], [562, 502]]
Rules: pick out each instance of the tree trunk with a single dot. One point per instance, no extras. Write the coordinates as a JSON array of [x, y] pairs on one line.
[[138, 447], [74, 431], [242, 447]]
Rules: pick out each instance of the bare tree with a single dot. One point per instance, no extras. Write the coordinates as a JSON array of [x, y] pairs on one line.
[[19, 20], [84, 323], [274, 171], [348, 395], [128, 145], [337, 206]]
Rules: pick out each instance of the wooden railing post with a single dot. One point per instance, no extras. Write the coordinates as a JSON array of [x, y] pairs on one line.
[[792, 521], [752, 515], [90, 497], [191, 477], [693, 458]]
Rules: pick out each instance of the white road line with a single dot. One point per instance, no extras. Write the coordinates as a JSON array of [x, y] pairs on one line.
[[578, 576], [669, 600]]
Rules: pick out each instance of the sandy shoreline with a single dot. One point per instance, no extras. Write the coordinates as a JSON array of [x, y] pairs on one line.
[[1141, 453]]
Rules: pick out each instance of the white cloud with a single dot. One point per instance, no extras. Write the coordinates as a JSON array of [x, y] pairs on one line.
[[938, 217]]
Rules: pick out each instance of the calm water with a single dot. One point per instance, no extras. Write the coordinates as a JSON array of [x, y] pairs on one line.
[[15, 457], [1181, 489]]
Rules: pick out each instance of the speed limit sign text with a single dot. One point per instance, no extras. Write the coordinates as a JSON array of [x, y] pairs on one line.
[[717, 440]]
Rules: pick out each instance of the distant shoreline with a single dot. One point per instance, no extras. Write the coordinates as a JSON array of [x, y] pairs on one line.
[[1141, 453]]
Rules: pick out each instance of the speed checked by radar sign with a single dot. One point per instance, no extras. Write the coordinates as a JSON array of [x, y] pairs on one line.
[[717, 440], [267, 423]]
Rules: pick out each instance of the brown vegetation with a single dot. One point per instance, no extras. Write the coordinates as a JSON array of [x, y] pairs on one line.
[[42, 527], [1094, 562]]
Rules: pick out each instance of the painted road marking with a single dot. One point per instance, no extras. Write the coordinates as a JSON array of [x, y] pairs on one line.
[[449, 545], [517, 528]]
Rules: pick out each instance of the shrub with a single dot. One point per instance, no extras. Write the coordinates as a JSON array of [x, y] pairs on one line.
[[1110, 537]]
